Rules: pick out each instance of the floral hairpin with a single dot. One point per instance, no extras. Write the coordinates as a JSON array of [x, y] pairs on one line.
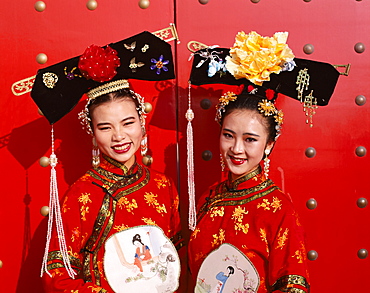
[[267, 108], [223, 102]]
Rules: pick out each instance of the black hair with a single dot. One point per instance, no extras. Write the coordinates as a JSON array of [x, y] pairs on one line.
[[250, 102], [231, 270], [114, 96], [110, 97], [137, 237]]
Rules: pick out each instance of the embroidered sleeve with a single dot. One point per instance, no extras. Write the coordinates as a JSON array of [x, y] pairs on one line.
[[75, 209], [287, 259]]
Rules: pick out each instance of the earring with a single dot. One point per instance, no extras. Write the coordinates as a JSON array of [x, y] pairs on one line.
[[266, 164], [95, 154], [222, 163], [144, 146]]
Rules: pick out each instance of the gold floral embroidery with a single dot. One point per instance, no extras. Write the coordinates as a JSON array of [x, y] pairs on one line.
[[239, 213], [149, 221], [297, 219], [100, 267], [282, 239], [74, 291], [161, 182], [120, 227], [151, 200], [84, 198], [85, 177], [237, 216], [64, 206], [70, 252], [83, 238], [123, 202], [176, 201], [276, 204], [266, 205], [300, 253], [264, 239], [199, 256], [94, 289], [262, 284], [84, 211], [248, 253], [218, 239], [194, 234], [75, 234], [240, 227], [56, 272], [217, 212]]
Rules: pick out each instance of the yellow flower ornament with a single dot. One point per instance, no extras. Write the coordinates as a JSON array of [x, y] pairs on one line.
[[255, 57], [224, 101]]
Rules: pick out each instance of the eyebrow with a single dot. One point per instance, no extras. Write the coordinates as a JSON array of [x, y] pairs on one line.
[[246, 133], [123, 120]]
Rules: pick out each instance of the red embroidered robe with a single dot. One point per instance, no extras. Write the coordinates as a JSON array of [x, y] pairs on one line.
[[104, 201], [259, 222]]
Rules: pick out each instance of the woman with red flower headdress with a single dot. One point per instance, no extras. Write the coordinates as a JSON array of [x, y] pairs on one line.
[[118, 199]]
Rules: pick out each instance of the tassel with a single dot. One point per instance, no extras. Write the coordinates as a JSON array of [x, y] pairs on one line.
[[54, 211], [190, 160]]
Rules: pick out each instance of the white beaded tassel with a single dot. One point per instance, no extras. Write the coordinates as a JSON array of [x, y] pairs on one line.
[[190, 160], [54, 210]]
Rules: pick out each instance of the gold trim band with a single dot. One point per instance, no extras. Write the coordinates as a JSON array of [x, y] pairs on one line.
[[108, 88]]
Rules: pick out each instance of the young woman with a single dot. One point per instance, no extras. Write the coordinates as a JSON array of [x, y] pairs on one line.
[[90, 248], [120, 198], [246, 222], [142, 251]]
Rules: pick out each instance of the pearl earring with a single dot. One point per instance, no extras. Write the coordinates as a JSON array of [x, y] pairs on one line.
[[266, 163]]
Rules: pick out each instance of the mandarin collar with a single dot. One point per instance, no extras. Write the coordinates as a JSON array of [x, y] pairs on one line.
[[116, 167], [252, 177]]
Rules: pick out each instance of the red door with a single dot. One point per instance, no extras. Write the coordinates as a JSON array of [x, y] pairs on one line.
[[324, 168]]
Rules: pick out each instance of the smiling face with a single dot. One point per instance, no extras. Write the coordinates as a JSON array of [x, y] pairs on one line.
[[243, 140], [117, 129]]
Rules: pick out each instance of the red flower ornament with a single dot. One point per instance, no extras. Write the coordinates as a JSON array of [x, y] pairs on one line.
[[270, 94], [99, 64], [250, 88]]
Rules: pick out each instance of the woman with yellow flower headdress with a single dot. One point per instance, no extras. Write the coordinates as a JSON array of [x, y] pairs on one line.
[[246, 222]]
